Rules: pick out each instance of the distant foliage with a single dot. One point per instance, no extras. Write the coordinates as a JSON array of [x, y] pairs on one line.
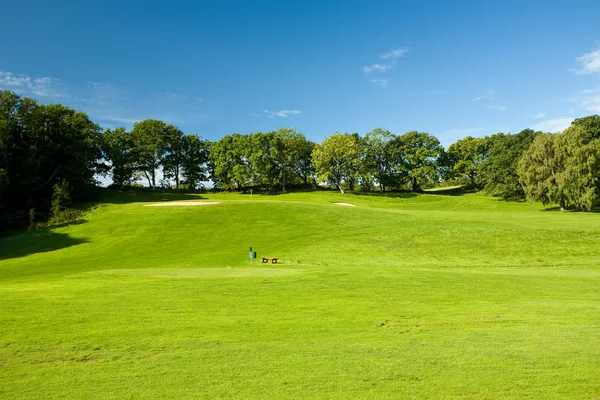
[[271, 160], [465, 156], [562, 169], [50, 155], [497, 173], [337, 160]]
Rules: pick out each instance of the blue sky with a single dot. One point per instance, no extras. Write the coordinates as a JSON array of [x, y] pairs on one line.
[[213, 68]]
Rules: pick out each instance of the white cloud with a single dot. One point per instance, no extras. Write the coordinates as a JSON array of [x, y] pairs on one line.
[[24, 84], [282, 113], [488, 96], [590, 100], [553, 125], [590, 62], [496, 107], [377, 67], [380, 82], [540, 115], [119, 119], [394, 54]]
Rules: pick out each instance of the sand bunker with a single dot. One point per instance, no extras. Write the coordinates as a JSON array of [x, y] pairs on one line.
[[182, 203], [201, 272], [345, 204]]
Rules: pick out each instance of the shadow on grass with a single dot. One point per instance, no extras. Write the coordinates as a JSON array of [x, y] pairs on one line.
[[451, 191], [125, 196], [37, 241], [595, 210], [394, 194]]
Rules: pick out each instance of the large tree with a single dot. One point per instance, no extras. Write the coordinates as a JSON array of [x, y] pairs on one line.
[[416, 154], [119, 150], [562, 169], [465, 156], [229, 162], [173, 156], [149, 140], [498, 172], [337, 160], [41, 145], [378, 158], [194, 167]]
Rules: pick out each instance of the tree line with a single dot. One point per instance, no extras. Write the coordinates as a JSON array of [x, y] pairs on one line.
[[51, 155]]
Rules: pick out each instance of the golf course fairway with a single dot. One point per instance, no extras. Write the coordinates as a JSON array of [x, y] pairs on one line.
[[437, 295]]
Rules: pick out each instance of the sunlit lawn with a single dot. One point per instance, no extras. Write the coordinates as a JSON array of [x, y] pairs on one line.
[[402, 296]]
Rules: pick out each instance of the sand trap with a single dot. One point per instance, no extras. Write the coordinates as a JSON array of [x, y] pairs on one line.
[[182, 203], [201, 272], [345, 204]]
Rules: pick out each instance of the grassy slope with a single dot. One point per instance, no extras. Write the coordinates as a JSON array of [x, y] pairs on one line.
[[411, 296]]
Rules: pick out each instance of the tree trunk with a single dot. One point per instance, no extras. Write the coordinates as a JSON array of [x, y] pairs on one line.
[[415, 185], [177, 178], [153, 179]]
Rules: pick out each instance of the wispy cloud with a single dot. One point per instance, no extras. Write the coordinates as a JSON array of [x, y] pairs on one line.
[[110, 104], [380, 82], [590, 62], [588, 100], [282, 113], [377, 67], [496, 107], [540, 115], [487, 100], [488, 96], [130, 121], [394, 54], [553, 125], [175, 97], [25, 84]]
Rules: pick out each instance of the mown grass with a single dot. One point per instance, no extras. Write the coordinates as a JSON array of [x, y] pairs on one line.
[[402, 296]]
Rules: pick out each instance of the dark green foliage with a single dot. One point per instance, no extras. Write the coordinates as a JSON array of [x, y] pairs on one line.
[[194, 168], [265, 160], [149, 139], [464, 157], [498, 172], [416, 156], [119, 150], [41, 145]]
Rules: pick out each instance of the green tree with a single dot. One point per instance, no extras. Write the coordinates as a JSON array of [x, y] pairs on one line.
[[41, 145], [562, 169], [292, 154], [466, 155], [149, 140], [194, 167], [303, 166], [119, 150], [337, 160], [378, 160], [498, 172], [416, 155], [229, 162], [173, 156]]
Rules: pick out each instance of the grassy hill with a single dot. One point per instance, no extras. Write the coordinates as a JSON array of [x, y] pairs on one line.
[[436, 295]]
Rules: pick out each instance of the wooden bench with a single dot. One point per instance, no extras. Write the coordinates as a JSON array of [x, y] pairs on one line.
[[269, 260]]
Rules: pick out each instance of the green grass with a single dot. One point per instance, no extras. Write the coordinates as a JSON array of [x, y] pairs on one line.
[[403, 296]]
